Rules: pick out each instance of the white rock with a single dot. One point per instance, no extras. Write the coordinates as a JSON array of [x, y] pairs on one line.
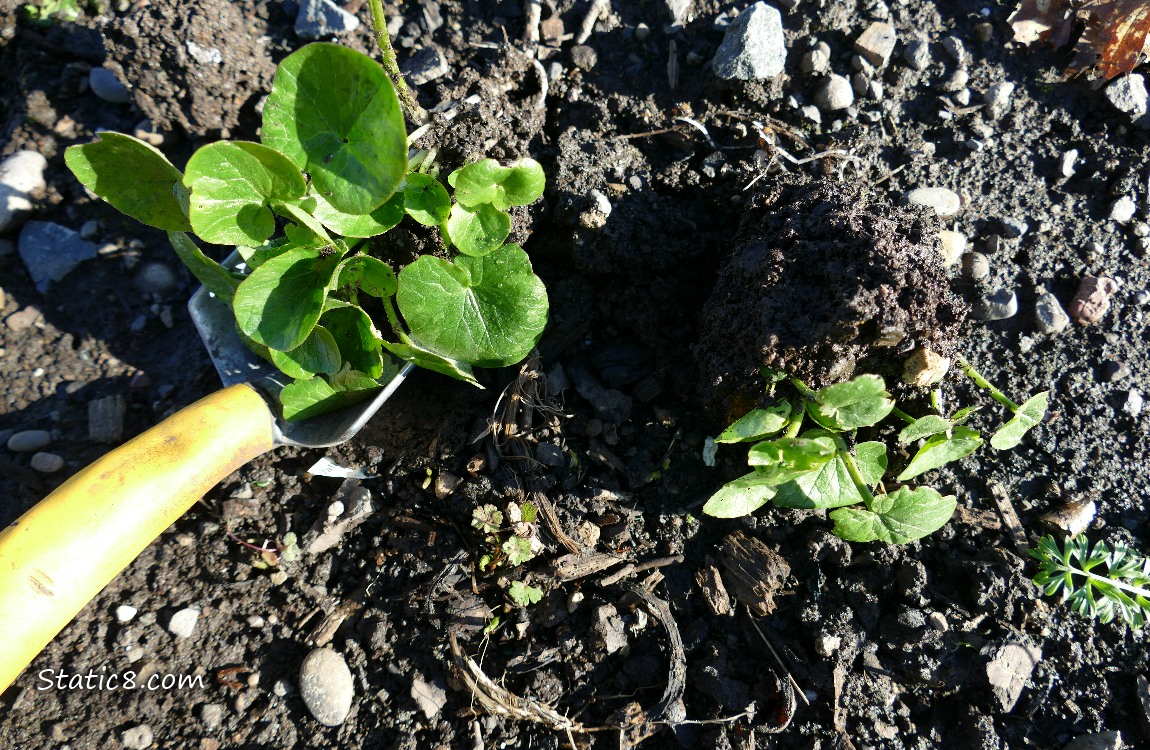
[[924, 368], [953, 246], [183, 623], [998, 99], [1128, 94], [945, 203], [834, 93], [21, 174], [322, 18], [753, 47], [326, 686], [1122, 210], [1066, 162], [125, 613], [917, 54], [138, 737], [106, 86], [430, 697]]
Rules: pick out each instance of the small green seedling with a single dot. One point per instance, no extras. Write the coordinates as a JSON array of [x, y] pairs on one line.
[[330, 172], [510, 538], [1123, 591], [824, 467], [524, 595], [45, 12]]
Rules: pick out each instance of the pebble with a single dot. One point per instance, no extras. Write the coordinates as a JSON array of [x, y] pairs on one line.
[[998, 99], [753, 47], [945, 203], [924, 368], [1128, 95], [183, 623], [1113, 371], [1108, 740], [816, 62], [938, 622], [876, 43], [1049, 315], [326, 686], [47, 463], [29, 440], [953, 246], [322, 18], [1122, 210], [138, 737], [105, 85], [1008, 669], [956, 49], [998, 305], [956, 81], [975, 266], [642, 32], [106, 419], [22, 320], [834, 93], [1092, 300], [21, 174], [426, 65], [917, 54], [678, 10], [1066, 162], [1013, 228], [211, 715], [50, 251], [984, 32], [431, 697], [125, 613], [1073, 517], [584, 57], [147, 131], [1133, 405], [203, 55], [157, 278], [826, 645], [445, 484]]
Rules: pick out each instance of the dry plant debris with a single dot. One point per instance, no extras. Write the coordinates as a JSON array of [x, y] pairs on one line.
[[1111, 34]]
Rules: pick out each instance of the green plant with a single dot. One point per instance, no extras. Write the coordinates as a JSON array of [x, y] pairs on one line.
[[45, 12], [825, 468], [510, 538], [331, 172], [524, 595], [1070, 571]]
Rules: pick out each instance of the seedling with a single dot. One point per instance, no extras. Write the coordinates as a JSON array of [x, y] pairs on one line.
[[331, 172], [524, 595], [45, 12], [1070, 571], [824, 467], [510, 538]]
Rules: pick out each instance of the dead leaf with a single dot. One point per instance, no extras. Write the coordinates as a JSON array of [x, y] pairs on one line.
[[1111, 34]]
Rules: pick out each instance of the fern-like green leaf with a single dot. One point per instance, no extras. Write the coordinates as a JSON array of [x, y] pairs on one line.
[[1102, 583]]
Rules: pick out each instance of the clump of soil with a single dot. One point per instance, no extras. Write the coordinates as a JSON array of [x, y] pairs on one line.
[[826, 280]]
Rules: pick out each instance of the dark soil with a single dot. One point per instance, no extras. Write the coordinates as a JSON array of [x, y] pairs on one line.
[[803, 642]]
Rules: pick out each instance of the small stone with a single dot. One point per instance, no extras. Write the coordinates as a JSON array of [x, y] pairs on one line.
[[1013, 228], [924, 368], [953, 246], [917, 54], [826, 645], [877, 43], [938, 622], [322, 18], [1122, 210], [445, 484], [50, 251], [21, 174], [125, 613], [815, 62], [1092, 300], [998, 305], [956, 49], [106, 86], [326, 686], [22, 320], [753, 47], [984, 32], [1008, 669], [426, 65], [106, 419], [183, 623], [1073, 518], [1128, 94], [203, 55], [1133, 404], [812, 114], [956, 82], [834, 93], [607, 629], [1109, 740], [945, 203], [278, 578], [431, 697], [1049, 315], [157, 278], [47, 463], [1066, 162], [1113, 371], [138, 737], [678, 10], [147, 131], [642, 32], [28, 441], [975, 266], [584, 57], [211, 715], [998, 99]]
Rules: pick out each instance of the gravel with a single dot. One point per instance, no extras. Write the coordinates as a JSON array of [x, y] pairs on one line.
[[47, 463], [753, 47], [323, 18], [1000, 304], [835, 93], [21, 175], [183, 623], [1049, 315]]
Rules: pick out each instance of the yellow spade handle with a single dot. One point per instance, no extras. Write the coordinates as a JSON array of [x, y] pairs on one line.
[[56, 557]]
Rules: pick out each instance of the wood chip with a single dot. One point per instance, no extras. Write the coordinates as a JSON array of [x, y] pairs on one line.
[[575, 566], [754, 572], [1009, 518], [714, 592]]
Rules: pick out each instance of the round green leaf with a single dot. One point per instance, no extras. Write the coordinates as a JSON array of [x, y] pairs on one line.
[[368, 275], [487, 311], [426, 200], [134, 177], [860, 402], [319, 353], [280, 302], [479, 230], [232, 184], [429, 360], [334, 112], [524, 184], [359, 225], [304, 399], [359, 343], [477, 183], [941, 449], [897, 518]]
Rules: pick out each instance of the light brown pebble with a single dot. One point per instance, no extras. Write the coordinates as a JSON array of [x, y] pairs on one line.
[[47, 463], [1092, 300]]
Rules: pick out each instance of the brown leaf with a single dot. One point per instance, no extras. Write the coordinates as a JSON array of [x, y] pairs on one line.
[[1114, 39]]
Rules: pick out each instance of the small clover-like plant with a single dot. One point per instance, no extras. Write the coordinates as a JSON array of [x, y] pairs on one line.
[[523, 594], [510, 537], [825, 467], [1100, 583], [331, 171]]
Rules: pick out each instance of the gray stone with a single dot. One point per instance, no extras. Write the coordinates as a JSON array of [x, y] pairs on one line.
[[426, 65], [138, 737], [50, 251], [876, 43], [1008, 669], [1128, 95], [46, 463], [815, 62], [183, 623], [1013, 228], [551, 455], [431, 697], [584, 56], [326, 686], [834, 93], [1113, 371], [211, 715], [21, 174], [678, 10], [953, 246], [956, 49], [29, 440], [753, 47], [998, 99], [1110, 740], [106, 419], [945, 203], [917, 54], [157, 278], [1122, 210], [204, 55], [607, 629], [1133, 404], [998, 305], [322, 18], [1049, 314], [975, 266], [106, 86]]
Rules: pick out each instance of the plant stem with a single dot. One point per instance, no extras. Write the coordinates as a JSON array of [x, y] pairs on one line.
[[796, 422], [393, 318], [936, 400], [985, 384], [803, 388], [411, 108], [903, 415], [853, 470]]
